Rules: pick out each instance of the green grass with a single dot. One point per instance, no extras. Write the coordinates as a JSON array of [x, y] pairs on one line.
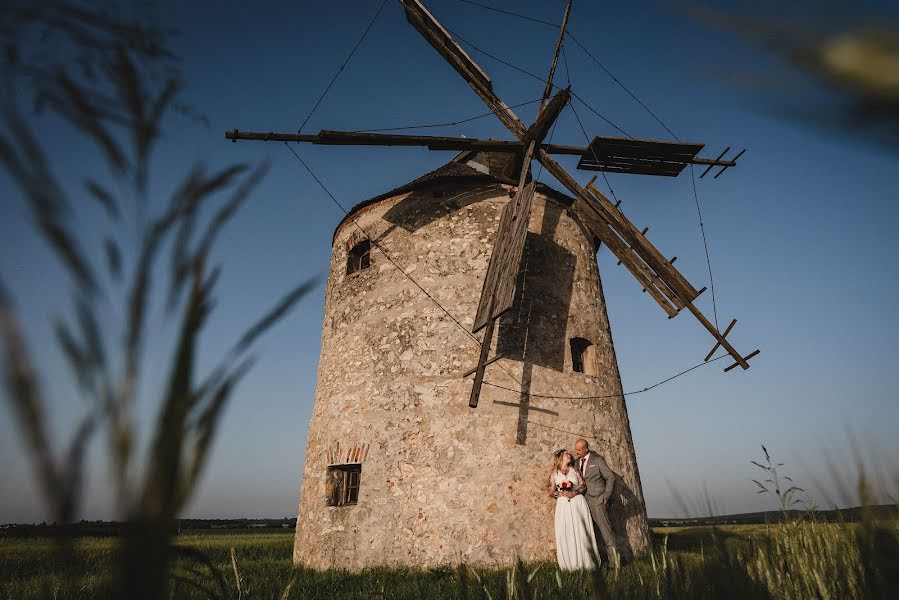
[[800, 559]]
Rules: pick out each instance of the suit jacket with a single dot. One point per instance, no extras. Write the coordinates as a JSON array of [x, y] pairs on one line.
[[599, 478]]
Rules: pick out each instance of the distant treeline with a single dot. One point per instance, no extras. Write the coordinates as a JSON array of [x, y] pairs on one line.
[[880, 512], [117, 528]]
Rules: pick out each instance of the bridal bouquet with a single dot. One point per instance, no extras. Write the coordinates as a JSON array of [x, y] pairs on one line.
[[565, 486]]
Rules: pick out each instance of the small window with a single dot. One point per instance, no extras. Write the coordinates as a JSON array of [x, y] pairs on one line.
[[343, 484], [359, 257], [583, 359]]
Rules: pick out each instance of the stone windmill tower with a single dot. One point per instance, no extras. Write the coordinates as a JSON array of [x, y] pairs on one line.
[[399, 469], [429, 480]]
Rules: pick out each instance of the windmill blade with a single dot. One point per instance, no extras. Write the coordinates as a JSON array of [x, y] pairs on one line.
[[440, 39], [432, 142], [666, 284], [642, 246], [596, 209], [552, 69], [498, 291], [356, 138], [547, 116], [639, 157]]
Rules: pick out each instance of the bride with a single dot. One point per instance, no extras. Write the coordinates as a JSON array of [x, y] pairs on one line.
[[575, 541]]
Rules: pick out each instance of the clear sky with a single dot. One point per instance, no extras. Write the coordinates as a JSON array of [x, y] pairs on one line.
[[802, 237]]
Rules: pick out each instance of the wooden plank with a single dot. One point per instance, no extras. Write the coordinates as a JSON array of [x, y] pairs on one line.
[[268, 136], [611, 161], [482, 365], [745, 360], [607, 213], [600, 228], [582, 151], [440, 40], [356, 138], [498, 291], [644, 248], [642, 146], [637, 156], [632, 170], [717, 335], [717, 344], [600, 223], [547, 116], [486, 364], [552, 68], [641, 272], [421, 15], [563, 149]]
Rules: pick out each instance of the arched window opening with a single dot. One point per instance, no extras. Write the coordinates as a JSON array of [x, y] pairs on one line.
[[359, 257], [583, 356]]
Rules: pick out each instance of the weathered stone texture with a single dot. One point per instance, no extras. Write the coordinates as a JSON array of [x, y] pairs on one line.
[[440, 482]]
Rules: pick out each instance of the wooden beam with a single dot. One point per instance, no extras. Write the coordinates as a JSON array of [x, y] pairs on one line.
[[718, 344], [498, 291], [547, 116], [482, 364], [643, 247], [594, 216], [563, 149], [599, 226], [356, 138], [601, 223], [269, 136], [717, 335], [486, 364], [745, 360], [552, 68], [443, 43]]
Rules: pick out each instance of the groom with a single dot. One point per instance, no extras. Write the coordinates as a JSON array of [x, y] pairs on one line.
[[600, 482]]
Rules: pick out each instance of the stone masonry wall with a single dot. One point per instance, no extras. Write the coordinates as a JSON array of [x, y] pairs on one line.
[[443, 483]]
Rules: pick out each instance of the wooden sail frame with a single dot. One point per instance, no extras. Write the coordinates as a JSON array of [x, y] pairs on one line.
[[655, 273]]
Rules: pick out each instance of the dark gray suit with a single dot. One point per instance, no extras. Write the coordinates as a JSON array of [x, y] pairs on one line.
[[600, 482]]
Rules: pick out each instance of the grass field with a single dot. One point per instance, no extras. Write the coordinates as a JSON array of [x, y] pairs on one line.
[[800, 559]]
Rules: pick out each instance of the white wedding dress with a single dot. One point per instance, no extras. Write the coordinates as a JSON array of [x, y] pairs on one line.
[[575, 541]]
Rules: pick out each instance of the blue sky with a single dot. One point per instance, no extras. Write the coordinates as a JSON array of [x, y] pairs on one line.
[[802, 237]]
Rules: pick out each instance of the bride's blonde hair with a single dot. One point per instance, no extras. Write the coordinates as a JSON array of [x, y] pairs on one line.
[[557, 460]]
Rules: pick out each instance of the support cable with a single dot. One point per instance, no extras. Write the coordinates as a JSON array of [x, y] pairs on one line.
[[646, 108], [342, 67], [510, 13], [458, 323], [634, 393], [450, 124], [538, 78], [595, 158], [377, 245]]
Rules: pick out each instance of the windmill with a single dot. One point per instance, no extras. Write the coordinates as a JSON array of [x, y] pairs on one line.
[[652, 270]]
